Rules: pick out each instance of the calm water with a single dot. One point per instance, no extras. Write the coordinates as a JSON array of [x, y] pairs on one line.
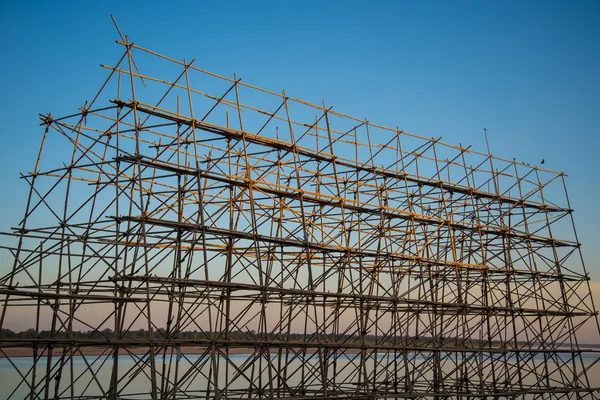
[[242, 371]]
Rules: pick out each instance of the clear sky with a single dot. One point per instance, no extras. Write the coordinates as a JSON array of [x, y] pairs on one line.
[[528, 71]]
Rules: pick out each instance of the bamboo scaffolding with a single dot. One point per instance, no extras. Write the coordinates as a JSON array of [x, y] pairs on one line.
[[235, 242]]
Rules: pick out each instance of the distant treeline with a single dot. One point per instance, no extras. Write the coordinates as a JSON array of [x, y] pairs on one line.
[[108, 334], [159, 333], [248, 335]]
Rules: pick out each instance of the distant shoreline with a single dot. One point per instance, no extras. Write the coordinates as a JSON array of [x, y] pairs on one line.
[[13, 352]]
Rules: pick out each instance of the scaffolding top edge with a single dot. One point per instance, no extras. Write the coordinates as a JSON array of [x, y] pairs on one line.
[[236, 81]]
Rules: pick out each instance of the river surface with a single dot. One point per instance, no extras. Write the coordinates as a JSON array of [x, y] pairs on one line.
[[242, 371]]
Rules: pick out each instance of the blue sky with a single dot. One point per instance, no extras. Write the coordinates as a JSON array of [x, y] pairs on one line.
[[525, 70]]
